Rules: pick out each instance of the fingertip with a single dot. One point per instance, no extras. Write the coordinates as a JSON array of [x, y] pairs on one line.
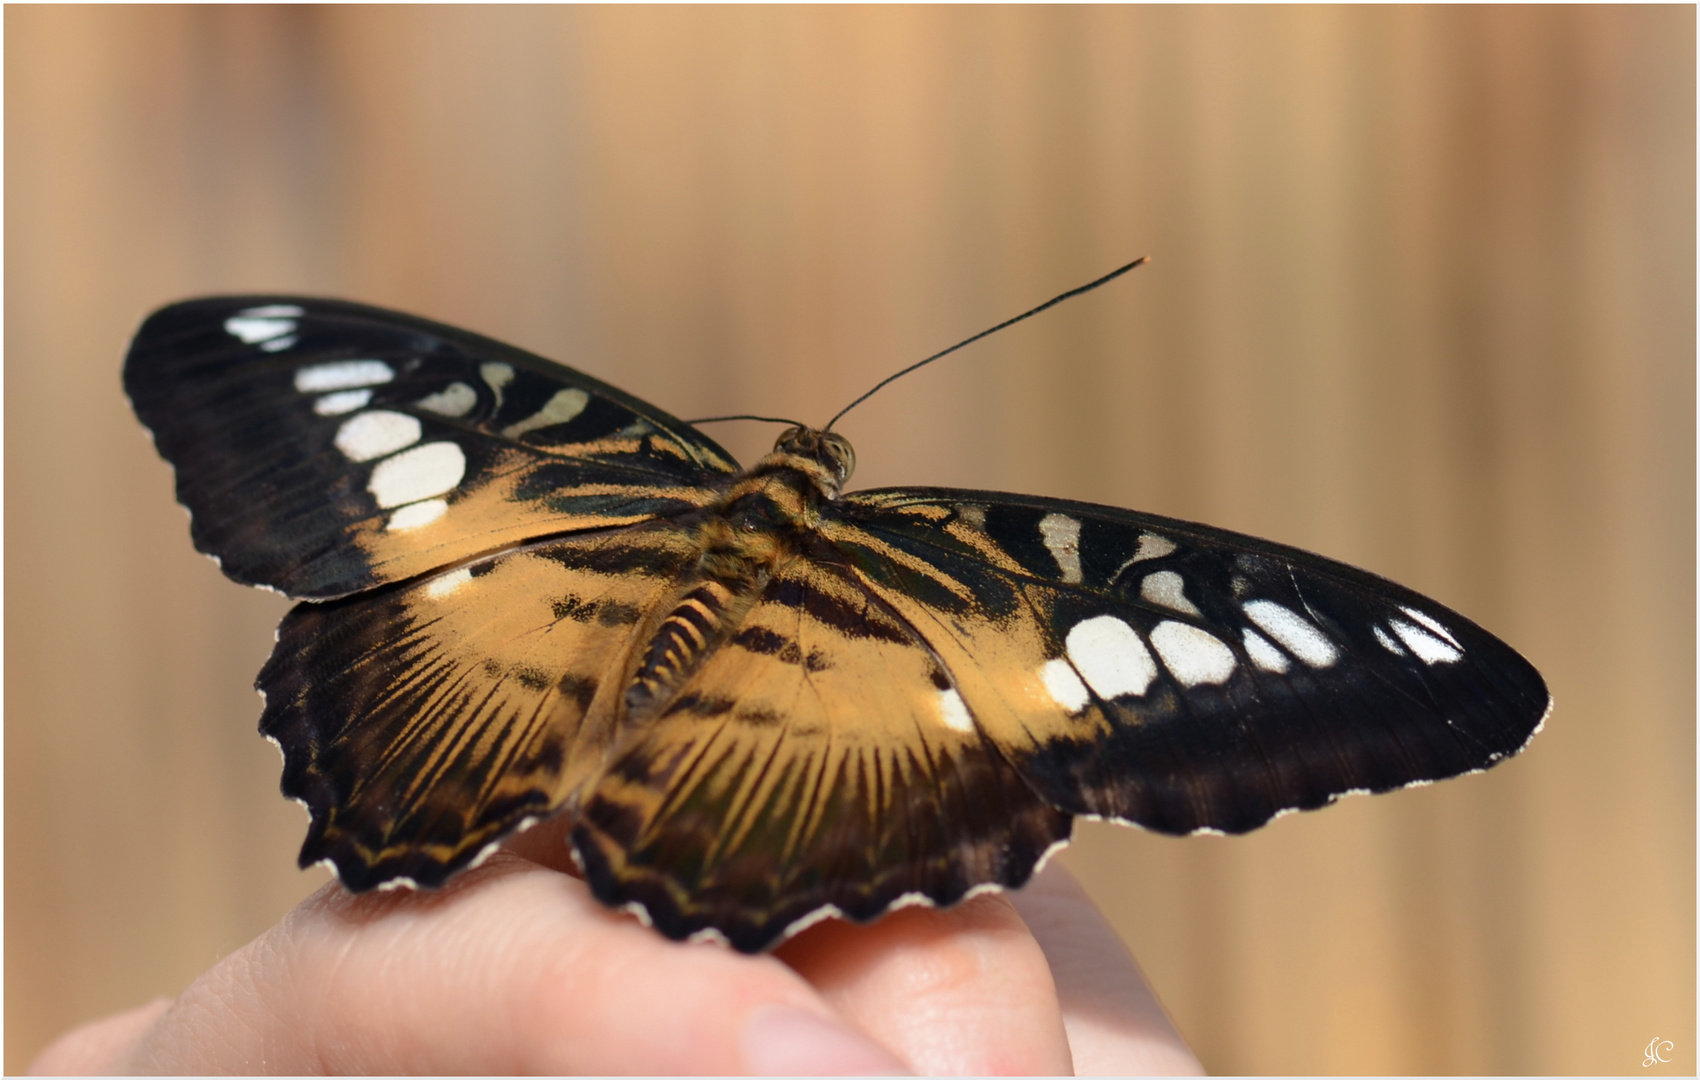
[[957, 990], [778, 1040]]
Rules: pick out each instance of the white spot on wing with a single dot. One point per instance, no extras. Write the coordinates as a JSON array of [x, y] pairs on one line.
[[1293, 633], [1429, 649], [416, 515], [1166, 587], [1061, 534], [708, 934], [274, 311], [559, 409], [1045, 857], [954, 711], [278, 344], [342, 375], [447, 584], [630, 907], [973, 515], [455, 399], [1064, 685], [369, 435], [393, 884], [1388, 643], [498, 376], [1110, 657], [818, 915], [343, 401], [1192, 655], [251, 329], [1263, 654], [1152, 546], [1432, 625], [485, 853], [423, 472]]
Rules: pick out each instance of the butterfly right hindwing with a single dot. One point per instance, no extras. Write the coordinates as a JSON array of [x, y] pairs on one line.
[[819, 759]]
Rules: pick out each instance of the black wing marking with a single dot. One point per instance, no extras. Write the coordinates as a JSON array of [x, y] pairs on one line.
[[325, 447], [1183, 677]]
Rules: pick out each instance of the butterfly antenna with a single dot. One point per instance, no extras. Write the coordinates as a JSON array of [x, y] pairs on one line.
[[747, 416], [1052, 302]]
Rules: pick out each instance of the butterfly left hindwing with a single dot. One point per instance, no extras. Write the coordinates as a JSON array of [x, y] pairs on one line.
[[420, 722]]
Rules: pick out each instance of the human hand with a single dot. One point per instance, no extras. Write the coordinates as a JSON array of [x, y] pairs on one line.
[[514, 968]]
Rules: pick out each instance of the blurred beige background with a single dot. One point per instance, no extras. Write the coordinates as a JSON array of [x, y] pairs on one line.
[[1422, 298]]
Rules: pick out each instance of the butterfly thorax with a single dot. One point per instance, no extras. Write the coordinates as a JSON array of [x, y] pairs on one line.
[[743, 538]]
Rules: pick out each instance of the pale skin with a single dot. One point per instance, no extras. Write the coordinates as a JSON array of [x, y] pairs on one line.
[[514, 968]]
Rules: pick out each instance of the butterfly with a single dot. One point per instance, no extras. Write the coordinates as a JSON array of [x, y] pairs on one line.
[[761, 700]]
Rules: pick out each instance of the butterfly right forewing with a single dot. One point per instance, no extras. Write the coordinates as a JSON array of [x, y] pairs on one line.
[[1182, 677]]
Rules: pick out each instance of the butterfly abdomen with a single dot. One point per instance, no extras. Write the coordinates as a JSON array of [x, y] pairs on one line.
[[742, 541], [700, 621]]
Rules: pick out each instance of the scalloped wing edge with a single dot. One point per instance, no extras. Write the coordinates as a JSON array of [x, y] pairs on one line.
[[824, 912]]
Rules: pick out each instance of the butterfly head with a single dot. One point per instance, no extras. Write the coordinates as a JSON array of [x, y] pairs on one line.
[[827, 450]]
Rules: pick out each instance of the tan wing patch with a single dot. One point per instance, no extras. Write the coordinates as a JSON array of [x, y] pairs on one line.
[[462, 513], [440, 714], [1005, 666], [820, 759]]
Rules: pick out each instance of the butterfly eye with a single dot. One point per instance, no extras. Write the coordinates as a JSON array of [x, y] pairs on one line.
[[843, 454]]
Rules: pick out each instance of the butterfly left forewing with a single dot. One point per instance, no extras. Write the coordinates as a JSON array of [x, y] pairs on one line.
[[324, 447], [819, 761], [1178, 676]]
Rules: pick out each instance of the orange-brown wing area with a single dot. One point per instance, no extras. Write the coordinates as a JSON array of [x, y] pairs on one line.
[[419, 723], [820, 760]]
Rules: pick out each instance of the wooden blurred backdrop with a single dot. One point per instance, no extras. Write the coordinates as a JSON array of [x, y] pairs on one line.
[[1422, 298]]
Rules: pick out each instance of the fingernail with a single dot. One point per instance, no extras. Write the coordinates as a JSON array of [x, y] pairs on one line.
[[782, 1041]]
